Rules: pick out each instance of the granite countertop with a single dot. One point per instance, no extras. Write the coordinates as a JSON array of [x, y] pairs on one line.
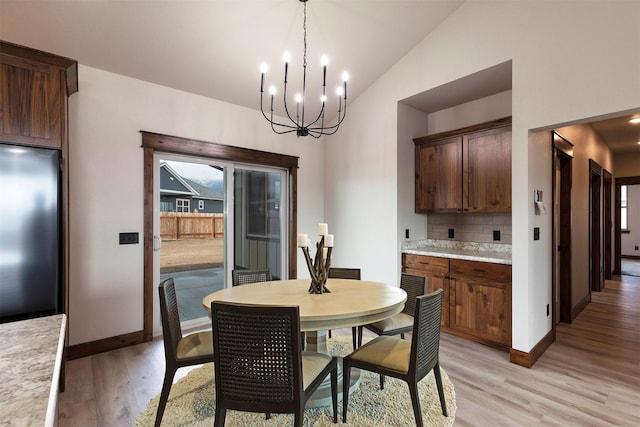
[[472, 251], [30, 362]]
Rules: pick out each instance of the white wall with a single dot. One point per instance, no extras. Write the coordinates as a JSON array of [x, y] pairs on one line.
[[106, 189], [411, 124], [571, 61], [481, 110]]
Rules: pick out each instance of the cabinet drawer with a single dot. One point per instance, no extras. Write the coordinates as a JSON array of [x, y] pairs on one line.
[[482, 270], [430, 264]]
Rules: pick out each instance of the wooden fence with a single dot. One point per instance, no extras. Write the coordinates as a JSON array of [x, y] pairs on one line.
[[189, 225]]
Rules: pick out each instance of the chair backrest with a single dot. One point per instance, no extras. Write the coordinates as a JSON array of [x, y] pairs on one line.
[[344, 273], [414, 286], [257, 356], [242, 277], [425, 342], [170, 318]]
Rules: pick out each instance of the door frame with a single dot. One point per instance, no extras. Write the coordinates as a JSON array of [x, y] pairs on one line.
[[563, 153], [154, 142], [631, 180]]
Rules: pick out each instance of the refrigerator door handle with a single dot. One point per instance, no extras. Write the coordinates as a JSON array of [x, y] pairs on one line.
[[157, 244]]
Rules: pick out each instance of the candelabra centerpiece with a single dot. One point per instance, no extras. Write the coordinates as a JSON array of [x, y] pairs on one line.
[[319, 267]]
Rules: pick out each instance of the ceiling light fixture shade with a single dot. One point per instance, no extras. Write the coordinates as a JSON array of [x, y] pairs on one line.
[[316, 128]]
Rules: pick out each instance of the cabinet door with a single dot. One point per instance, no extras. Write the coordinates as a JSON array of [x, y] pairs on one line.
[[439, 176], [32, 104], [435, 269], [481, 308], [487, 171]]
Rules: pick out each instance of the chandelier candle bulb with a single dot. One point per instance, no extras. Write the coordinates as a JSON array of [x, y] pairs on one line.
[[302, 240], [323, 228]]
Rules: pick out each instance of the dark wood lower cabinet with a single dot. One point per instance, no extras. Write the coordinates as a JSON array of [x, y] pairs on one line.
[[477, 296]]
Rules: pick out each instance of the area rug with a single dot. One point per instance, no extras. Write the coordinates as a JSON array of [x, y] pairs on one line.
[[192, 402]]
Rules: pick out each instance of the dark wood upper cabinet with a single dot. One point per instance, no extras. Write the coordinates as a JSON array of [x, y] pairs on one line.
[[34, 87], [466, 170], [439, 176], [487, 164]]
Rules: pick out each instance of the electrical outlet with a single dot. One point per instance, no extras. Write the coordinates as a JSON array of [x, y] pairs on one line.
[[406, 233], [451, 233], [496, 234], [128, 238], [636, 248], [536, 233], [547, 310]]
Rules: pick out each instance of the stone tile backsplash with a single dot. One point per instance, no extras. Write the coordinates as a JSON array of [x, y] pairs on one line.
[[470, 227]]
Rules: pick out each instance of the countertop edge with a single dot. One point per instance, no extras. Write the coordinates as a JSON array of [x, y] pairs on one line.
[[469, 257], [52, 405]]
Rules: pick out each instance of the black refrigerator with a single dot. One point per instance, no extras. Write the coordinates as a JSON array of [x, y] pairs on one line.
[[30, 232]]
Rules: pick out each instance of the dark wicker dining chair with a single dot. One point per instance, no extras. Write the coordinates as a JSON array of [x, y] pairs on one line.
[[402, 322], [259, 363], [345, 273], [179, 350], [243, 276], [398, 358]]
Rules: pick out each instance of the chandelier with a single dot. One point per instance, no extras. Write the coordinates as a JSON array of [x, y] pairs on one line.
[[315, 127]]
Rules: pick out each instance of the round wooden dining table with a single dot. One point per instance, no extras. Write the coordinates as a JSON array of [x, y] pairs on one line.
[[349, 303]]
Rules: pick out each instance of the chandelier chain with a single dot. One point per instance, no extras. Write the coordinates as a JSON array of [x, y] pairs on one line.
[[304, 29]]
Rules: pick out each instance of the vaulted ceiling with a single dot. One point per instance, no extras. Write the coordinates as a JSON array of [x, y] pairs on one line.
[[214, 48]]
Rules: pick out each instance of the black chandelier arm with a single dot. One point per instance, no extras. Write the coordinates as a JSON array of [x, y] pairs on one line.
[[274, 123], [320, 115], [286, 107], [330, 130]]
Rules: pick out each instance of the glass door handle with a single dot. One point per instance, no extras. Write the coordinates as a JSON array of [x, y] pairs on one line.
[[157, 243]]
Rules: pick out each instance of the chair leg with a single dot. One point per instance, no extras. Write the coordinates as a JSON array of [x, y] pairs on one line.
[[359, 336], [354, 334], [443, 403], [297, 418], [346, 379], [334, 393], [415, 401], [329, 332], [221, 414], [402, 335], [164, 395], [381, 382], [303, 340]]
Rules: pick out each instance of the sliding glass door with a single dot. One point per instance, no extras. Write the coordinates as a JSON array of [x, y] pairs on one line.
[[259, 231], [213, 217]]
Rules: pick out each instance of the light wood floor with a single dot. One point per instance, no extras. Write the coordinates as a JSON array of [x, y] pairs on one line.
[[589, 377]]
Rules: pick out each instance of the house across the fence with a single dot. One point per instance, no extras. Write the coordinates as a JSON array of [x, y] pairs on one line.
[[180, 194]]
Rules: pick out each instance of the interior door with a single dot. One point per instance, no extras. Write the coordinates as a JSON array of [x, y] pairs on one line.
[[562, 212], [607, 209], [595, 229]]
